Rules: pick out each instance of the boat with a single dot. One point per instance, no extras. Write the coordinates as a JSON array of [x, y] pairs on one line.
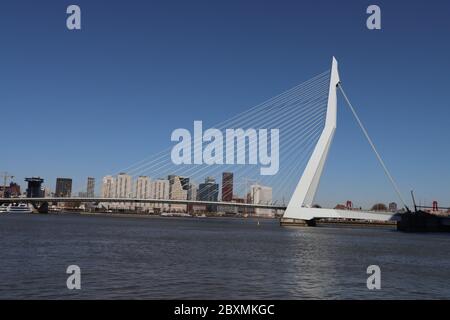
[[19, 208], [4, 208], [175, 214], [422, 221]]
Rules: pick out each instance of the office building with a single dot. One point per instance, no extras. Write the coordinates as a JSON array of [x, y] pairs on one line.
[[192, 192], [34, 189], [209, 191], [90, 190], [184, 181], [178, 191], [227, 186], [63, 187]]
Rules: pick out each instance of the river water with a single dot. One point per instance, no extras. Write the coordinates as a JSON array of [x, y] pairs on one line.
[[214, 258]]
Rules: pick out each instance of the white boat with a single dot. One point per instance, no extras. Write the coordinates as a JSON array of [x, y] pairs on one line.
[[20, 208], [4, 208], [175, 214]]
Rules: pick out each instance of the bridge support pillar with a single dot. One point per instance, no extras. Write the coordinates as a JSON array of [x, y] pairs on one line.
[[43, 207], [297, 222], [40, 207]]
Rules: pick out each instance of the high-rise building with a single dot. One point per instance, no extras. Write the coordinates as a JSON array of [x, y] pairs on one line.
[[178, 191], [108, 187], [184, 181], [142, 187], [123, 186], [63, 187], [209, 191], [192, 191], [90, 190], [261, 195], [227, 186], [192, 195], [34, 189], [142, 191], [159, 189]]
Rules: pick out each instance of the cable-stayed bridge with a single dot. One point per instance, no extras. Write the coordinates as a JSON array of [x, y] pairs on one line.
[[306, 118]]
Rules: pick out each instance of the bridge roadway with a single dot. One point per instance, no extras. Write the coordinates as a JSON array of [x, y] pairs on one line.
[[134, 200], [310, 213]]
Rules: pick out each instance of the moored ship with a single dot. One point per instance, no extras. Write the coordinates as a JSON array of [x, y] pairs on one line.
[[4, 208], [19, 208]]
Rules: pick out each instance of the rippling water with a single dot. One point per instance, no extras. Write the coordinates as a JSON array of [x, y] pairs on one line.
[[214, 258]]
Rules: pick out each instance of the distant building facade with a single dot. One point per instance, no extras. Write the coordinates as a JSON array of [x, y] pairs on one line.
[[11, 191], [261, 195], [90, 189], [48, 192], [227, 186], [142, 191], [63, 187], [160, 189], [108, 187], [178, 191], [142, 187], [184, 182], [123, 186], [209, 191], [192, 192], [34, 189]]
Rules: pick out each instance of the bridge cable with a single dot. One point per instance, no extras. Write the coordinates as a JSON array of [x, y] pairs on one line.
[[373, 147]]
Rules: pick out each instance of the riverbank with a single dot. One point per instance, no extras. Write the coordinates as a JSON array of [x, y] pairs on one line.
[[318, 223]]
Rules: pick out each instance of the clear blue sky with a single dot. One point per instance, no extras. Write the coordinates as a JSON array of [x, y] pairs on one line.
[[86, 103]]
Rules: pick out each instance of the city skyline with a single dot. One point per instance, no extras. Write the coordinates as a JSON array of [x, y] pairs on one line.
[[123, 185]]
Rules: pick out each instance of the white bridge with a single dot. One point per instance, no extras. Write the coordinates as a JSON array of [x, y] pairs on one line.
[[300, 206]]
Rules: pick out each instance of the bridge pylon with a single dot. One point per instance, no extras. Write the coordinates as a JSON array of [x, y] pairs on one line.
[[303, 197]]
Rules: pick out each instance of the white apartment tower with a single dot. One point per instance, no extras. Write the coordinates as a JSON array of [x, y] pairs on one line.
[[142, 187], [108, 187], [123, 186], [159, 189], [261, 195]]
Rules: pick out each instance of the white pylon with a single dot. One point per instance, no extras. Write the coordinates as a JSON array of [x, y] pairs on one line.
[[305, 191]]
